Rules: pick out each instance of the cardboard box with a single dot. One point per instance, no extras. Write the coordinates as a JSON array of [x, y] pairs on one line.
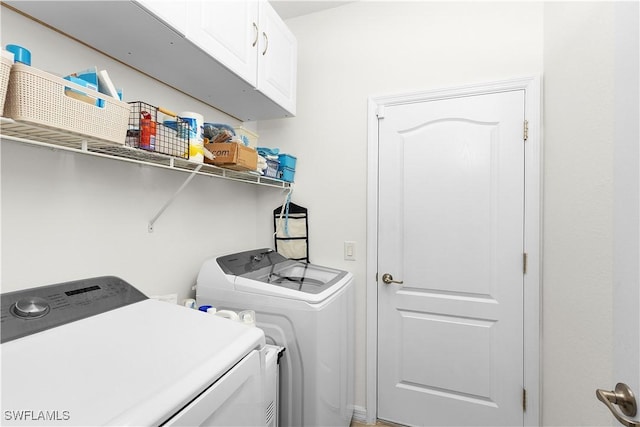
[[233, 155]]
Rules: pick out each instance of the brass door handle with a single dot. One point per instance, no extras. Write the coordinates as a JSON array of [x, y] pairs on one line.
[[626, 401], [387, 279]]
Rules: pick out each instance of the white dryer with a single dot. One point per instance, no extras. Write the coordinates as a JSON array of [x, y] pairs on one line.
[[98, 352], [306, 308]]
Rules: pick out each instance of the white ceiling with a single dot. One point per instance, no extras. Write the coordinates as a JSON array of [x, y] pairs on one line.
[[292, 8]]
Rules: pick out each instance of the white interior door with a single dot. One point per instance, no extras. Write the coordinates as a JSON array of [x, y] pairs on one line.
[[451, 227]]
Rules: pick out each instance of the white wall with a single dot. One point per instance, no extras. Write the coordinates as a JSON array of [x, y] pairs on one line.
[[578, 213], [373, 48], [69, 216]]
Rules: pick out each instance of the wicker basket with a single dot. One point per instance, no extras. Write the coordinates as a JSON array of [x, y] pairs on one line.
[[5, 69], [40, 98]]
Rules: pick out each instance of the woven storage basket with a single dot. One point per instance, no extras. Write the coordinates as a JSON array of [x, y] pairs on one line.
[[5, 69], [39, 98]]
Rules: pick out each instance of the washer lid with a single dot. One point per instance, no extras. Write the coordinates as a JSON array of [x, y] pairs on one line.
[[298, 276], [267, 266], [266, 272], [249, 261], [135, 365]]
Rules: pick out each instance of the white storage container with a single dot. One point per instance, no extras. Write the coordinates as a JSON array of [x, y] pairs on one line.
[[248, 138]]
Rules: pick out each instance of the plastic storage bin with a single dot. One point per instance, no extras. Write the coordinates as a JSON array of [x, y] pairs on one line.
[[287, 161], [287, 167], [248, 138], [42, 99], [286, 174]]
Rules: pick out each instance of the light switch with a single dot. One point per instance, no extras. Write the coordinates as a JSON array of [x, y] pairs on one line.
[[349, 251]]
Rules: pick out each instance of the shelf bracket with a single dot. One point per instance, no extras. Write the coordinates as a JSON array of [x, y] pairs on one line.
[[166, 205]]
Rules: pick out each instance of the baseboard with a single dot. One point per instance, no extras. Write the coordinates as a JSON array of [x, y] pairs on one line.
[[359, 414]]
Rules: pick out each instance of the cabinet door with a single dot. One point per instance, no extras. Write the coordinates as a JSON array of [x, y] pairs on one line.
[[227, 31], [173, 13], [277, 59]]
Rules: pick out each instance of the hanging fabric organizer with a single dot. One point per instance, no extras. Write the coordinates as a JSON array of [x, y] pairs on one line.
[[292, 231]]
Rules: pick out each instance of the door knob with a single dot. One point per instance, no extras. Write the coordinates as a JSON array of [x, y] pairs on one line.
[[387, 279], [624, 398]]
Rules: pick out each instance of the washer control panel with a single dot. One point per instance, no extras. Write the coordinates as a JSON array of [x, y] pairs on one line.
[[28, 311], [248, 261]]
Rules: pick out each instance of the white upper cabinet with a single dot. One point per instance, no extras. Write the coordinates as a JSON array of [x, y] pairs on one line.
[[237, 56], [226, 30], [277, 59], [250, 39], [172, 12]]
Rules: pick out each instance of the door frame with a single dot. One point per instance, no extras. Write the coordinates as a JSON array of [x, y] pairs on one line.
[[626, 191], [532, 236]]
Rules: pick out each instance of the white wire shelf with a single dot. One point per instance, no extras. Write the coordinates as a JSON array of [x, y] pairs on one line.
[[43, 136]]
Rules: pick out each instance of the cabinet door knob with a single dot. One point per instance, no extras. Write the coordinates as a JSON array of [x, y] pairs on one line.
[[266, 42]]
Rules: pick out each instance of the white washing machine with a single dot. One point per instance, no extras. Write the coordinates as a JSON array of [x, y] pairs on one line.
[[99, 352], [306, 308]]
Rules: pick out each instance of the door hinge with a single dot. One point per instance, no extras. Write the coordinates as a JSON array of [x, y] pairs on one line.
[[524, 263], [524, 400], [525, 132], [380, 112]]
